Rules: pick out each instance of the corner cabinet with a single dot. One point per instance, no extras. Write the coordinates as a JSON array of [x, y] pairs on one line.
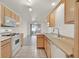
[[51, 20], [70, 11]]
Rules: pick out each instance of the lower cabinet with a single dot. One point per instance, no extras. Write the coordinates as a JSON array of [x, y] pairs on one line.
[[48, 50], [51, 50], [47, 47], [6, 49], [40, 41], [45, 44]]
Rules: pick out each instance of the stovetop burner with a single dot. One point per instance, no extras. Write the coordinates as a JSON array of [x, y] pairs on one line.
[[11, 34]]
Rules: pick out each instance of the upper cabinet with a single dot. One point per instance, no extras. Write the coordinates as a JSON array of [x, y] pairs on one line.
[[51, 20], [69, 11], [7, 12], [17, 20], [13, 15], [1, 15], [8, 17]]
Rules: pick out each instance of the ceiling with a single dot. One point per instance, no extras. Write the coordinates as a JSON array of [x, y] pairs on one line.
[[40, 8]]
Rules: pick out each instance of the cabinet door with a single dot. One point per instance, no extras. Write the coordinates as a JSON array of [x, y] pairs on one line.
[[7, 12], [1, 15], [40, 41], [45, 44], [48, 49], [51, 20], [70, 11], [17, 20], [13, 15], [6, 51]]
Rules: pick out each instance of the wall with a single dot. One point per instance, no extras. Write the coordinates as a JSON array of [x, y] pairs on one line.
[[65, 29]]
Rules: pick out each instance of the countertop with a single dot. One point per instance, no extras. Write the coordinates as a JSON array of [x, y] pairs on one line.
[[65, 44], [2, 38]]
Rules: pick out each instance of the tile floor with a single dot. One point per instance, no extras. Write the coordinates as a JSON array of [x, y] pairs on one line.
[[29, 50]]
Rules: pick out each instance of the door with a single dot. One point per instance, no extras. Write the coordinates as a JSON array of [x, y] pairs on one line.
[[6, 51], [35, 28]]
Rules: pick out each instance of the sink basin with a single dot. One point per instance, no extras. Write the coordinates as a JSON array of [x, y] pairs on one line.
[[54, 36]]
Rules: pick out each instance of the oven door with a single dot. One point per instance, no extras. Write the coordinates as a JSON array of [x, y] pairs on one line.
[[15, 44]]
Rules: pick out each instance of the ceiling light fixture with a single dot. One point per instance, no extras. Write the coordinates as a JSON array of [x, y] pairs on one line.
[[30, 1], [30, 9], [53, 4]]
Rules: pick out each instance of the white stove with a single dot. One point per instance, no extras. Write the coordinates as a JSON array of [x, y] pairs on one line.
[[15, 44]]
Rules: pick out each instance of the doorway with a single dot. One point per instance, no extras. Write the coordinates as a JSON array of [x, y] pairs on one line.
[[35, 29]]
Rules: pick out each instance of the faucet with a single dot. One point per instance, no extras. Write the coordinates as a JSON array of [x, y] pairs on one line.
[[58, 31]]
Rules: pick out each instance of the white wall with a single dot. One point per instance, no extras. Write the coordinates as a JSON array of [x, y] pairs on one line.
[[65, 29], [44, 26]]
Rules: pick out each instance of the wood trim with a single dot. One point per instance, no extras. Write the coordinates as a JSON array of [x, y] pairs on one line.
[[76, 40]]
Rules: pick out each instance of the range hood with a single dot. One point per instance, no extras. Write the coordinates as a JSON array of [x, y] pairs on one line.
[[9, 22]]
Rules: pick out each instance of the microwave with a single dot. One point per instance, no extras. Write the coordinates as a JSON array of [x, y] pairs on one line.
[[9, 22]]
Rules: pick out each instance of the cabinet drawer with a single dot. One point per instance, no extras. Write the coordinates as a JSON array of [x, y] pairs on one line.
[[40, 45], [5, 42], [39, 40]]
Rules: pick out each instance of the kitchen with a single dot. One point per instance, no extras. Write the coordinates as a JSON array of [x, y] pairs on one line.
[[59, 24]]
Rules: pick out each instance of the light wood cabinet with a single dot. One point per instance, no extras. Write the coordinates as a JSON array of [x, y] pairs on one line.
[[76, 37], [45, 44], [1, 15], [17, 20], [51, 20], [48, 49], [52, 51], [5, 51], [40, 41], [13, 15], [7, 12], [6, 48], [70, 11]]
